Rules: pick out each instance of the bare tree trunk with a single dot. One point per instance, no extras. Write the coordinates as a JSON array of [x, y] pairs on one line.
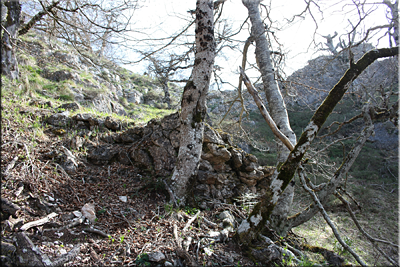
[[394, 12], [275, 102], [250, 228], [9, 64], [194, 102]]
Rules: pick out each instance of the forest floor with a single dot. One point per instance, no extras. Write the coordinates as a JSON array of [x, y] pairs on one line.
[[129, 229]]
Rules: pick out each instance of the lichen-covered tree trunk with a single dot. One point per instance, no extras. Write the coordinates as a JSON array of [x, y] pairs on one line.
[[194, 102], [276, 103], [9, 64], [250, 228]]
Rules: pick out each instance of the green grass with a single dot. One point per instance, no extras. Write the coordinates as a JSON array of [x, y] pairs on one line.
[[144, 113]]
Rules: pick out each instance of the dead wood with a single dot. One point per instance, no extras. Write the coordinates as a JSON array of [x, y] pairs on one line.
[[38, 222]]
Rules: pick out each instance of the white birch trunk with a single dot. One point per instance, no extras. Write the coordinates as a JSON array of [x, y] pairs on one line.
[[194, 103], [275, 102]]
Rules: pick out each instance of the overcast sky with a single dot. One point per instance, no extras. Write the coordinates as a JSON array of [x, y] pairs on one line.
[[162, 18]]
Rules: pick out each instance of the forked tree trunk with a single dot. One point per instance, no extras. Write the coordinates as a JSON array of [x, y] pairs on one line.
[[276, 104], [9, 64], [194, 103], [250, 228]]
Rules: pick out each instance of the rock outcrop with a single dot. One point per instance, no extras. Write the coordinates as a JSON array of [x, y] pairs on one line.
[[225, 171]]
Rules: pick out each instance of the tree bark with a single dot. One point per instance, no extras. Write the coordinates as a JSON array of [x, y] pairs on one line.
[[194, 103], [394, 12], [26, 27], [250, 228], [275, 102], [9, 64]]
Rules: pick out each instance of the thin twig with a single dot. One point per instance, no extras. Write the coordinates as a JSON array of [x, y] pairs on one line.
[[347, 204], [327, 219], [96, 231], [190, 221]]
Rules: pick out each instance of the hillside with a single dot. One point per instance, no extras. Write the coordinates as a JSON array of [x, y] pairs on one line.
[[77, 134]]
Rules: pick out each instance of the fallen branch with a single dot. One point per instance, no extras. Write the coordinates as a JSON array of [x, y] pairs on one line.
[[72, 224], [38, 222], [190, 221], [209, 223], [177, 238], [370, 238], [326, 217], [96, 231]]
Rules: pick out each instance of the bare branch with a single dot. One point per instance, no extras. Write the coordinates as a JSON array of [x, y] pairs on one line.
[[264, 111]]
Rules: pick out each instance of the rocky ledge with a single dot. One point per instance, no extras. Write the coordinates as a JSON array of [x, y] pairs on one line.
[[226, 171]]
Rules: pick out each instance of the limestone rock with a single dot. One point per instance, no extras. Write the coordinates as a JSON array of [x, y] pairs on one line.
[[156, 256], [133, 96], [206, 177], [237, 158], [211, 136], [59, 119], [101, 155], [216, 154], [112, 124], [70, 106], [88, 210]]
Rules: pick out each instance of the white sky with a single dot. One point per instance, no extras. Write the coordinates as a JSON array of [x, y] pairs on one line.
[[161, 18]]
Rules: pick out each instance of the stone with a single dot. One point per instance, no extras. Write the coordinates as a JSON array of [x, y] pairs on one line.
[[222, 168], [248, 182], [206, 177], [211, 136], [156, 256], [237, 158], [266, 255], [118, 108], [89, 212], [101, 155], [216, 154], [202, 190], [163, 154], [123, 198], [228, 221], [251, 167], [76, 142], [111, 124], [70, 106], [255, 175], [59, 119], [68, 161], [59, 75], [134, 96], [205, 165], [142, 158]]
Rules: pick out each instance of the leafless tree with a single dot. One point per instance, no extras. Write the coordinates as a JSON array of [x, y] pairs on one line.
[[99, 26], [264, 215]]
